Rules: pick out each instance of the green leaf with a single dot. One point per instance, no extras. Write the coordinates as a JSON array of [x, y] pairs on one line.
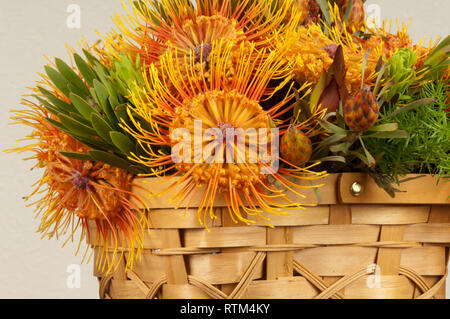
[[51, 108], [318, 89], [79, 118], [109, 158], [91, 59], [107, 110], [123, 143], [101, 93], [379, 78], [121, 112], [388, 127], [366, 56], [56, 124], [76, 127], [439, 52], [332, 159], [96, 144], [58, 80], [71, 76], [83, 107], [331, 127], [331, 140], [101, 127], [411, 106], [348, 10], [85, 69], [394, 134], [77, 156], [323, 5], [370, 160], [342, 147], [58, 103]]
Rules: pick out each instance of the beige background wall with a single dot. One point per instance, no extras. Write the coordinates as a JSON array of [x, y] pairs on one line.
[[33, 268]]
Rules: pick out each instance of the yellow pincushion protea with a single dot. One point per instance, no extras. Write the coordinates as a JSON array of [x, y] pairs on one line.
[[218, 102], [153, 29], [75, 192], [310, 49]]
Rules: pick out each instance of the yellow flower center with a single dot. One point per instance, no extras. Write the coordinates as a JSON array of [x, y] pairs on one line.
[[239, 121]]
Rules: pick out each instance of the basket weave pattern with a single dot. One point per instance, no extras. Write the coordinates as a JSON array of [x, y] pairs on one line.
[[369, 246]]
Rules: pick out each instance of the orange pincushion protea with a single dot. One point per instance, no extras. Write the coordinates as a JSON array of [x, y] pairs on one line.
[[77, 192], [178, 25], [310, 51], [219, 103]]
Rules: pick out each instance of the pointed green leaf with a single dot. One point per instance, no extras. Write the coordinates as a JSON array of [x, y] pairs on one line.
[[102, 127], [370, 160], [58, 103], [49, 107], [388, 127], [332, 159], [348, 10], [411, 106], [123, 143], [79, 118], [121, 112], [71, 76], [331, 127], [323, 5], [76, 127], [395, 134], [331, 140], [58, 80], [96, 144], [318, 89], [83, 107], [439, 52], [56, 124], [85, 69], [379, 78], [91, 59], [109, 158], [342, 147], [102, 93]]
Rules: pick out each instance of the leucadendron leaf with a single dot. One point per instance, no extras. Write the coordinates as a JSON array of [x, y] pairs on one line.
[[388, 127], [83, 107], [86, 70], [394, 134], [411, 106], [58, 80], [331, 127], [71, 76], [77, 127], [123, 142], [109, 158], [101, 127], [58, 103]]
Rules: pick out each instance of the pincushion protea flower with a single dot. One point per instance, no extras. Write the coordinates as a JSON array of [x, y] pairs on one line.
[[310, 50], [153, 29], [76, 191], [220, 100]]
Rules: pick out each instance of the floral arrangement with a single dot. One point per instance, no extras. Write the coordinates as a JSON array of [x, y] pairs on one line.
[[333, 94]]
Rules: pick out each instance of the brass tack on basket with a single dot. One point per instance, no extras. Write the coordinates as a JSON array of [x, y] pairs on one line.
[[356, 189]]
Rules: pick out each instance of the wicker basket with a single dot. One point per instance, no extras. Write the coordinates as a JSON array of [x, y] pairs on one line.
[[366, 246]]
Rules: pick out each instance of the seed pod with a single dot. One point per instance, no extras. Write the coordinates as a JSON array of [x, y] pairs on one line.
[[361, 110], [295, 146]]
